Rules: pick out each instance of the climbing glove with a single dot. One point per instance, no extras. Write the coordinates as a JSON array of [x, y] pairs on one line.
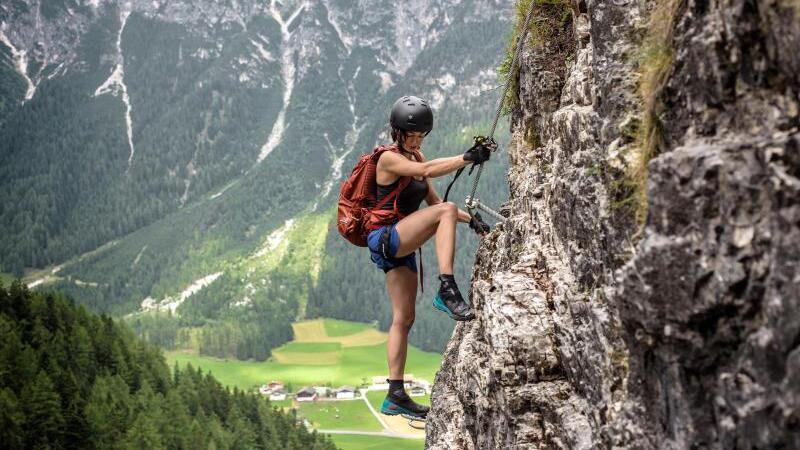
[[480, 152], [477, 224]]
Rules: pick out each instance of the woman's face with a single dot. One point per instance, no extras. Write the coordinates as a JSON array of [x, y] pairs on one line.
[[413, 140]]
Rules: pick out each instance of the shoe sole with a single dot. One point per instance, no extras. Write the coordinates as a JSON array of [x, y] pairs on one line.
[[439, 304], [399, 410]]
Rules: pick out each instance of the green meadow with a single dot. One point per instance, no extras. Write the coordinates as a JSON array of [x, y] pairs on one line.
[[355, 442], [311, 347], [339, 415], [336, 328], [326, 352], [316, 363]]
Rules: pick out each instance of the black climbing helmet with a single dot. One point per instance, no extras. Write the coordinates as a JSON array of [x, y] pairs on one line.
[[411, 113]]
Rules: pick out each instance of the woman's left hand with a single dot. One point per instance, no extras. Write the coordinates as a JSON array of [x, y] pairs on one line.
[[478, 224]]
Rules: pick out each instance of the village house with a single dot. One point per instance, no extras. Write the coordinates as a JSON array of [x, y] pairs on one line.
[[379, 383], [417, 390], [269, 388], [306, 394], [424, 384], [278, 395], [346, 392], [322, 391]]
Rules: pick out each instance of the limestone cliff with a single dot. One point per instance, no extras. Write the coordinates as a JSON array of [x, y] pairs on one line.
[[644, 291]]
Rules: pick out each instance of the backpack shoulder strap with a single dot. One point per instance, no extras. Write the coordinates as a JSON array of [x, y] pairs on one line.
[[395, 193], [383, 148], [404, 181]]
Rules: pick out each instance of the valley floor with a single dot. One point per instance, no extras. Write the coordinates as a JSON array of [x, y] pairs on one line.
[[332, 353]]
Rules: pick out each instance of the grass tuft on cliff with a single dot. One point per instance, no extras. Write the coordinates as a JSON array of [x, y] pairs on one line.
[[550, 18], [655, 61]]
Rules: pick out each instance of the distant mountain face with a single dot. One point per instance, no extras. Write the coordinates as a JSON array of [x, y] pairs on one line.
[[148, 145]]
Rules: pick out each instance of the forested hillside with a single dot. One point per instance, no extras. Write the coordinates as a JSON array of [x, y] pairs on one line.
[[177, 163], [71, 379]]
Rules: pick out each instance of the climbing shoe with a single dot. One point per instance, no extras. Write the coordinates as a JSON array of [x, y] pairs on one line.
[[398, 402], [449, 300]]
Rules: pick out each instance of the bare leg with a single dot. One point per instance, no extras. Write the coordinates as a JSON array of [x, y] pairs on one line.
[[420, 226], [401, 283], [446, 240]]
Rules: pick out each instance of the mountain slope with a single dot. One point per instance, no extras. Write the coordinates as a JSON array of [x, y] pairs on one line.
[[175, 140]]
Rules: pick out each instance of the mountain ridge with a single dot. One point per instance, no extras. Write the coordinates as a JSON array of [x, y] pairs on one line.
[[220, 143]]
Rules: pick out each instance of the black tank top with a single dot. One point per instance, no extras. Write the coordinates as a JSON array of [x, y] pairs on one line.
[[409, 199]]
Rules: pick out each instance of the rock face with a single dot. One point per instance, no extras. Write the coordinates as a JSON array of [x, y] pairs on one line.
[[594, 332]]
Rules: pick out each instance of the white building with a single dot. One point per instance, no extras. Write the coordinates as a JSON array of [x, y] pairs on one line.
[[273, 386], [322, 391], [424, 384], [346, 392], [380, 383], [417, 391], [278, 395]]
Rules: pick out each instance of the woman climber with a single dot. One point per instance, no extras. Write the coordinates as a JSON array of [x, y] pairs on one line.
[[392, 246]]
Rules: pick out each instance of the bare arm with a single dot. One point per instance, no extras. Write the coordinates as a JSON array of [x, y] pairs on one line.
[[403, 167]]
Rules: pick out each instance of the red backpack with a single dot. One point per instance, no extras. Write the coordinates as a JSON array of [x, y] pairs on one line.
[[358, 212]]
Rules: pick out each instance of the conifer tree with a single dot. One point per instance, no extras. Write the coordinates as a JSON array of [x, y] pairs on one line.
[[11, 421], [44, 422], [143, 434], [108, 411]]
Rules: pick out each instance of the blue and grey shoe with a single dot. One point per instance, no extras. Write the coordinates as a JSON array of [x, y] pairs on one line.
[[449, 300], [398, 402]]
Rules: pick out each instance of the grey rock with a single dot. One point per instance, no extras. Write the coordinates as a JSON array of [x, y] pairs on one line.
[[593, 333]]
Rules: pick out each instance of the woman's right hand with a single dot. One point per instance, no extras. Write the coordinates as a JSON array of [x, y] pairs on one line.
[[478, 153]]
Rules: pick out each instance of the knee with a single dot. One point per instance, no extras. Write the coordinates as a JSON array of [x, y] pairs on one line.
[[449, 209], [404, 321]]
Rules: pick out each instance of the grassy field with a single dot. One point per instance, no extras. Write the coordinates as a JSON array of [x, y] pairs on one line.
[[330, 352], [309, 353], [311, 347], [352, 415], [353, 442], [336, 328], [352, 365], [355, 365], [317, 331]]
